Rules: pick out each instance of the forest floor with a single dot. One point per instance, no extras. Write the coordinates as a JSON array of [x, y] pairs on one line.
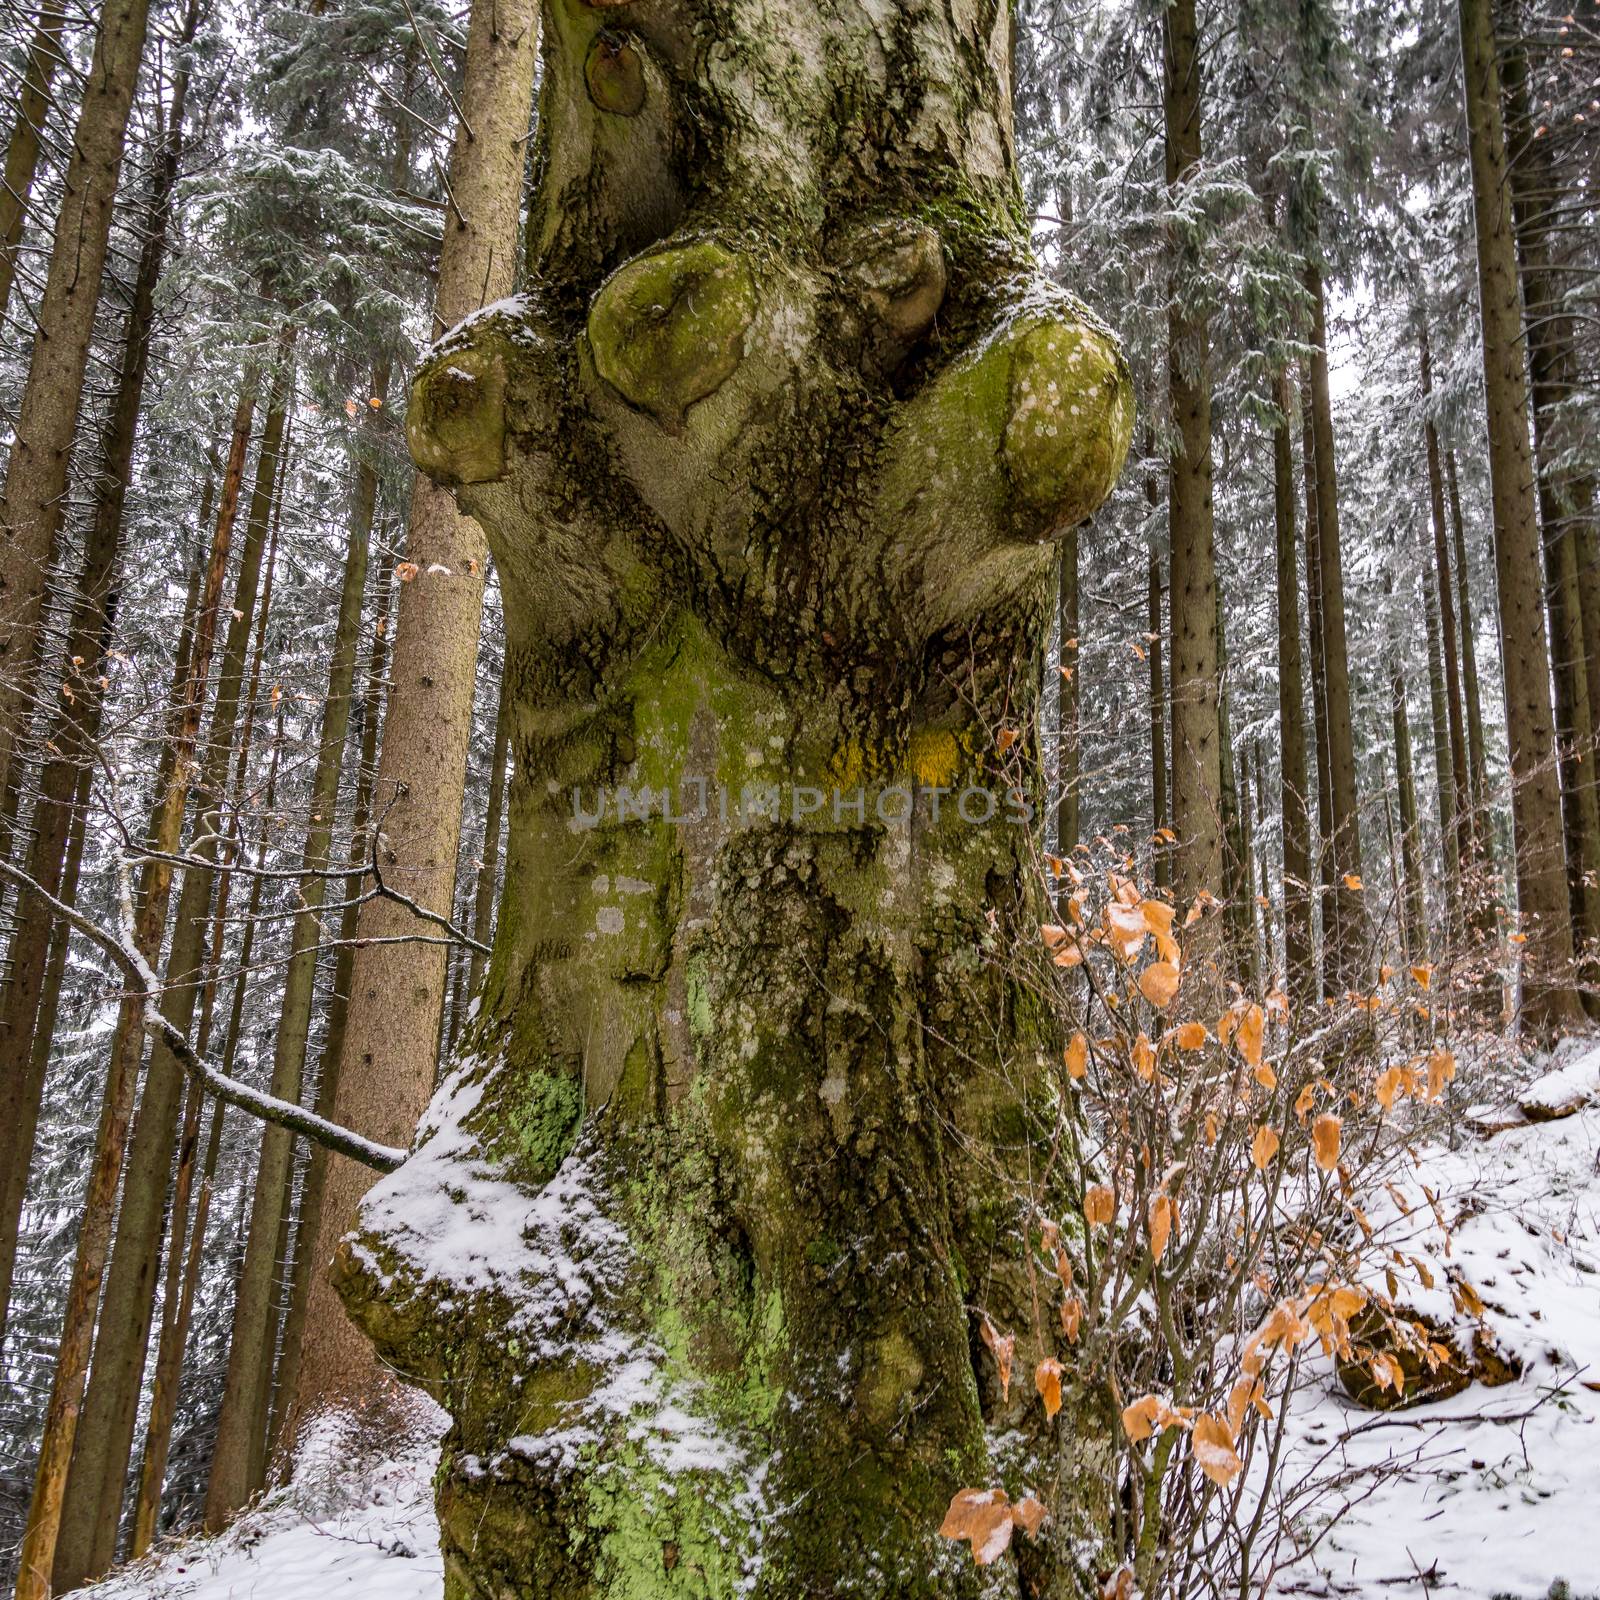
[[1488, 1494]]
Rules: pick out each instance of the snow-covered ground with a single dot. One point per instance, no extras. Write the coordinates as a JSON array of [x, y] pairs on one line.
[[352, 1525], [1492, 1493]]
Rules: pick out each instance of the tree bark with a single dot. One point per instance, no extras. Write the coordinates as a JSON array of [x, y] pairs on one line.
[[745, 1100], [1155, 632], [1456, 810], [240, 1447], [26, 141], [1566, 506], [1192, 593], [391, 1043], [1298, 953], [1326, 899], [90, 1520], [37, 1555], [47, 417], [1413, 909], [1350, 953], [1238, 874], [1070, 745], [309, 1223], [1550, 1001], [489, 862]]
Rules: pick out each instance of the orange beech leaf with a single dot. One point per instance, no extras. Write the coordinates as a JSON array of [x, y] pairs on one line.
[[1422, 974], [1213, 1450], [1076, 1056], [1468, 1299], [1125, 928], [1144, 1056], [1003, 1347], [1190, 1036], [1325, 1134], [1047, 1380], [1163, 1214], [1353, 883], [1511, 938], [1304, 1101], [1071, 1318], [1263, 1147], [1424, 1276], [1388, 1087], [1147, 1415], [1029, 1514], [1211, 1128], [983, 1518], [405, 571], [1008, 737], [1441, 1070], [1098, 1205], [1265, 1076], [1049, 1234], [1158, 983], [1069, 955], [1387, 1372], [1064, 1268], [1249, 1035], [1053, 934]]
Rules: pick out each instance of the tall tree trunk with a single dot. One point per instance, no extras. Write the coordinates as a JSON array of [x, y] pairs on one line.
[[36, 1558], [1298, 954], [1455, 802], [90, 1520], [1413, 908], [1566, 505], [391, 1043], [1550, 1001], [47, 417], [1329, 902], [1160, 818], [489, 861], [240, 1446], [27, 139], [1471, 691], [77, 725], [1192, 592], [309, 1224], [1350, 956], [778, 1183], [1070, 744], [1237, 874]]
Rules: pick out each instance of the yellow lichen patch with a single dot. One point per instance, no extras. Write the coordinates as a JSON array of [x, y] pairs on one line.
[[934, 757], [1071, 420], [456, 420], [667, 329]]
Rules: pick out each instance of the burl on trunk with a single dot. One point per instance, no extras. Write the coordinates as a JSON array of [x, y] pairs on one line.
[[772, 455]]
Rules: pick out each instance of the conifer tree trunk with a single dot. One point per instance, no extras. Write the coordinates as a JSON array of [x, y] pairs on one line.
[[1325, 896], [1565, 500], [1413, 908], [1351, 923], [27, 138], [47, 417], [240, 1445], [36, 1558], [1456, 809], [1549, 998], [1070, 757], [1298, 954], [1160, 819], [1237, 871], [309, 1223], [1192, 591], [90, 1520], [1471, 693], [742, 1084], [77, 726], [391, 1040], [489, 870]]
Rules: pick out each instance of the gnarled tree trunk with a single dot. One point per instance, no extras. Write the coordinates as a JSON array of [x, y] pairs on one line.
[[772, 457]]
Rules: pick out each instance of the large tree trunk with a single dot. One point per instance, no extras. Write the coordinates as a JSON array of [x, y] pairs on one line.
[[391, 1041], [1455, 800], [1300, 973], [1192, 586], [47, 418], [1070, 743], [772, 457], [1549, 999], [1326, 899], [1350, 952], [27, 138]]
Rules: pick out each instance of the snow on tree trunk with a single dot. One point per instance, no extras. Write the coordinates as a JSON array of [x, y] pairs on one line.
[[772, 456]]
